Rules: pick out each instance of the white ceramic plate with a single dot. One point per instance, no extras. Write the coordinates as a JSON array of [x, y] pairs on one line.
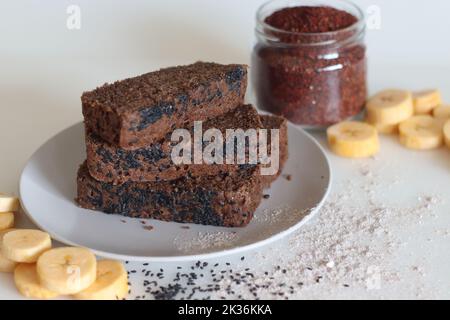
[[48, 187]]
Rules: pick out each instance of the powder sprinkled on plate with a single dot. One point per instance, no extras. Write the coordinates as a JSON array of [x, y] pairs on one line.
[[344, 250], [205, 241]]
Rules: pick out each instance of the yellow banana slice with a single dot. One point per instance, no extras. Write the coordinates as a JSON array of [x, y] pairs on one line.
[[6, 265], [421, 133], [111, 282], [27, 282], [25, 245], [447, 133], [353, 139], [425, 101], [8, 203], [442, 112], [67, 270], [390, 107], [385, 128], [6, 220]]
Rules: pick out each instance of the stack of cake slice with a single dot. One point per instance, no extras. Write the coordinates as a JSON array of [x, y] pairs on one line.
[[130, 169]]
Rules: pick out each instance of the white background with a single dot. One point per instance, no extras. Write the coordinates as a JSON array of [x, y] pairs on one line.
[[44, 68]]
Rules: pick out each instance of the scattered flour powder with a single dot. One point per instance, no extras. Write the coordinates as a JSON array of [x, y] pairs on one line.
[[342, 247]]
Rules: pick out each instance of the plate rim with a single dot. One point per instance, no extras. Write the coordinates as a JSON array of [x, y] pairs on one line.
[[189, 257]]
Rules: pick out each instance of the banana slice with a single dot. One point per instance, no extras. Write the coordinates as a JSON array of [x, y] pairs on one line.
[[385, 128], [67, 270], [442, 112], [25, 245], [6, 265], [390, 107], [421, 133], [425, 101], [447, 133], [8, 203], [111, 282], [6, 220], [353, 139], [27, 282]]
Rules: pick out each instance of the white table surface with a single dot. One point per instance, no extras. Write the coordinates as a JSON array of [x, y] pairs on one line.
[[44, 68]]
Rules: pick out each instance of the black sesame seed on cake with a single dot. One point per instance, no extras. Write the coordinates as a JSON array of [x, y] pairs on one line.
[[137, 111], [225, 200], [109, 163]]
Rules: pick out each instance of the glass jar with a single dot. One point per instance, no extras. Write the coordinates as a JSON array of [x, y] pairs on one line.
[[312, 79]]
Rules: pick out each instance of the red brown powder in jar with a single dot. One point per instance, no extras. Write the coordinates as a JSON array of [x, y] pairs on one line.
[[315, 74], [311, 19]]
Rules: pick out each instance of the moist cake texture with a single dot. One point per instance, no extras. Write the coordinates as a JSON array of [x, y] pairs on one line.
[[129, 168], [138, 111], [280, 123], [221, 200], [112, 164]]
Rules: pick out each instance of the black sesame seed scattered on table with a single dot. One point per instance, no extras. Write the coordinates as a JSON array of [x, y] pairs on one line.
[[204, 281]]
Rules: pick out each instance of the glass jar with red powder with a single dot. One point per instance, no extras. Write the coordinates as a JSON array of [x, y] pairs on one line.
[[309, 62]]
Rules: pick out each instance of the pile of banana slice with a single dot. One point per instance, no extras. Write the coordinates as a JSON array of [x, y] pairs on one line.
[[43, 272], [420, 119]]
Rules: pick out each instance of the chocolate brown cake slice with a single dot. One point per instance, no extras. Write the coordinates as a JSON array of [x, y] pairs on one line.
[[112, 164], [280, 123], [221, 200], [138, 111]]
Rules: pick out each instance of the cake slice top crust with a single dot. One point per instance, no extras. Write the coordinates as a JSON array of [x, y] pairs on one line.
[[164, 85]]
